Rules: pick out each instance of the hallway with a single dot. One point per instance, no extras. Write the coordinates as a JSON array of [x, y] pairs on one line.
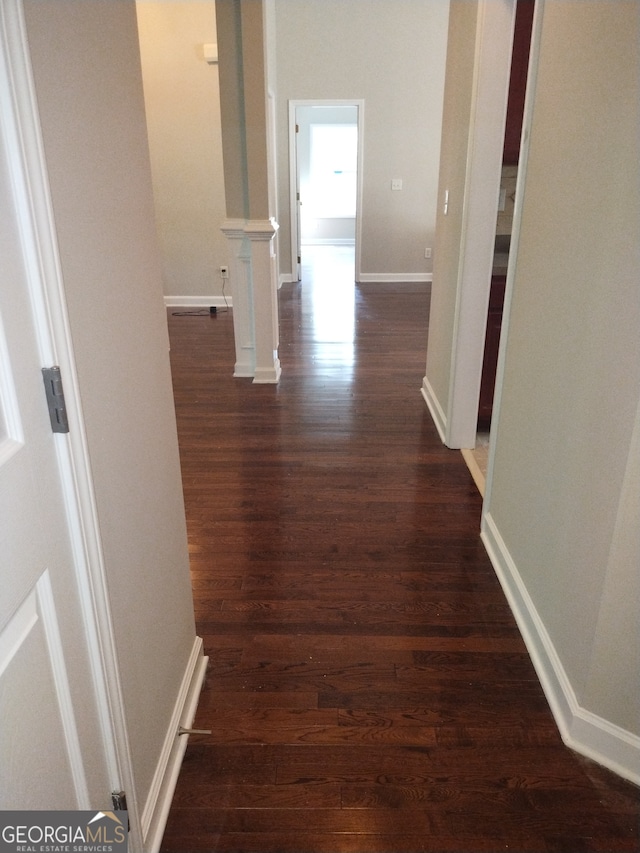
[[368, 689]]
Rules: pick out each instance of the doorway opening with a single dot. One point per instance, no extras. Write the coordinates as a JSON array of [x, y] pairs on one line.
[[477, 458], [325, 178], [328, 183]]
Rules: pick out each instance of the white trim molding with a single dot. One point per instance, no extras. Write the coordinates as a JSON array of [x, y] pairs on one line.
[[198, 301], [264, 281], [47, 608], [242, 295], [163, 784], [437, 412], [394, 278], [580, 729], [254, 284]]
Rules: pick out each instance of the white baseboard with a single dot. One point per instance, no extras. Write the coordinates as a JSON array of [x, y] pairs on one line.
[[437, 413], [395, 277], [372, 278], [287, 278], [156, 810], [580, 729], [328, 241], [197, 302]]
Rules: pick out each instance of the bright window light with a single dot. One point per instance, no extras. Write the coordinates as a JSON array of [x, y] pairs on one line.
[[334, 158]]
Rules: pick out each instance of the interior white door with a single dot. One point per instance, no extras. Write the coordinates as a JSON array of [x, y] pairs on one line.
[[51, 749]]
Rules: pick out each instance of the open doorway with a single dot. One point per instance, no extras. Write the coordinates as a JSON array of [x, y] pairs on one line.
[[326, 187], [477, 458], [328, 172]]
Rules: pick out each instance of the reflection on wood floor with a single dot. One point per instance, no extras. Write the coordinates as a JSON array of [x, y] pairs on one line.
[[368, 689]]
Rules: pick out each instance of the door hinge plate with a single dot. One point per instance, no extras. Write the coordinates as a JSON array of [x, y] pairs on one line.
[[119, 800], [55, 399]]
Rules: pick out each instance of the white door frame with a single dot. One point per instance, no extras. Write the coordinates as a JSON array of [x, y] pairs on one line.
[[294, 177], [484, 161], [523, 162], [36, 223]]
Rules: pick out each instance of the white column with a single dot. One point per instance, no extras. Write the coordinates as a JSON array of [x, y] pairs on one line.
[[242, 295], [260, 234]]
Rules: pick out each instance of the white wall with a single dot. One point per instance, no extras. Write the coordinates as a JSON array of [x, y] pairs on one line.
[[89, 90], [183, 118], [392, 54], [562, 506]]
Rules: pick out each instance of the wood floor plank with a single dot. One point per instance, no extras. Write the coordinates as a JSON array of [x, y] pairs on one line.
[[296, 822], [214, 699], [368, 688], [365, 647], [358, 842], [242, 734], [216, 796]]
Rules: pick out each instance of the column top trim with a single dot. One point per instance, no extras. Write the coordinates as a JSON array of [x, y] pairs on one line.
[[261, 229], [233, 227], [257, 229]]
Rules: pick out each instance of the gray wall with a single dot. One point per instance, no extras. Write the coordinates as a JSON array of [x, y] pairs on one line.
[[92, 116], [392, 54], [183, 120], [565, 493], [456, 126]]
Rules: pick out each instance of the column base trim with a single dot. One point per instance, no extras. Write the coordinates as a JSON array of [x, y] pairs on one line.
[[268, 375]]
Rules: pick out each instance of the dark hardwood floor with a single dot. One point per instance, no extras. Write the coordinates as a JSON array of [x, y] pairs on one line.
[[368, 689]]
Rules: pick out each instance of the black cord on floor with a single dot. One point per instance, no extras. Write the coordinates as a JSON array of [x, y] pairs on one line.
[[203, 312], [206, 312]]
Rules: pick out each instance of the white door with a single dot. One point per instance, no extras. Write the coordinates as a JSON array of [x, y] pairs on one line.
[[51, 747]]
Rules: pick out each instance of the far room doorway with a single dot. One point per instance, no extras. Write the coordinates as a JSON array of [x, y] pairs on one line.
[[326, 143]]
